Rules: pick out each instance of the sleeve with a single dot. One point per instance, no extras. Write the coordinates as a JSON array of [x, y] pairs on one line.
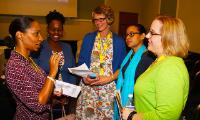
[[123, 52], [23, 87], [169, 85], [70, 77], [84, 52]]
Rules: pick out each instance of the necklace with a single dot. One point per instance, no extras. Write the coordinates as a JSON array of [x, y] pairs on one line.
[[34, 65], [103, 45], [31, 61]]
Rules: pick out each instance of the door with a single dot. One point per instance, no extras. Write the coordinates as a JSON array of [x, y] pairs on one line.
[[126, 19]]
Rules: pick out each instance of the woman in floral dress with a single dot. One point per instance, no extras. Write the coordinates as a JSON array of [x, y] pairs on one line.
[[102, 51]]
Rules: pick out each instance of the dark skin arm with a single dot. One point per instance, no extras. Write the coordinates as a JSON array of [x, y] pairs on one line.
[[48, 87]]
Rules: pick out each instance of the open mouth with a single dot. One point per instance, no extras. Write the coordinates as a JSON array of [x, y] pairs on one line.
[[56, 37]]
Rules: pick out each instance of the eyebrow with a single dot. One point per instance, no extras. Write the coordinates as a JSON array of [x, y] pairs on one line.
[[134, 32], [152, 30]]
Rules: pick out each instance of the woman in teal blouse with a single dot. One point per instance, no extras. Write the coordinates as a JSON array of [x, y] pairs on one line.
[[135, 63], [161, 91]]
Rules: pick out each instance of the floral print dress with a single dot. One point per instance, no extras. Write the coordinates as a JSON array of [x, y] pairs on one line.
[[96, 102]]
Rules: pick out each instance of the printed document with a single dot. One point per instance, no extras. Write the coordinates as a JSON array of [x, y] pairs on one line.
[[81, 70], [67, 88]]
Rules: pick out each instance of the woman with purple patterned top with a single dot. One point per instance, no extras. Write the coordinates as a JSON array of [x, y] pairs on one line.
[[29, 84]]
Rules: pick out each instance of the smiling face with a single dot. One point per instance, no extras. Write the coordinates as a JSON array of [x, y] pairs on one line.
[[154, 38], [55, 30], [31, 38], [100, 22], [134, 39]]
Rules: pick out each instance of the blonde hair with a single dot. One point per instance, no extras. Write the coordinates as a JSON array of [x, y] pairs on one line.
[[105, 10], [174, 37]]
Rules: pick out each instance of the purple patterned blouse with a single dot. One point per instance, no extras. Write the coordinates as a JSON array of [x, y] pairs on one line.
[[25, 84]]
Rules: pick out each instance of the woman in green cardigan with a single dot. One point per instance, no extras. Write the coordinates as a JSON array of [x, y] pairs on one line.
[[161, 91]]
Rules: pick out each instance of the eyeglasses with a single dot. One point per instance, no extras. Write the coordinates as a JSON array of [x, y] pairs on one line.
[[131, 34], [152, 33], [98, 20]]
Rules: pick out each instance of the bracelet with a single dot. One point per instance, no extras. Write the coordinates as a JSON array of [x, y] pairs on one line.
[[131, 115], [50, 78]]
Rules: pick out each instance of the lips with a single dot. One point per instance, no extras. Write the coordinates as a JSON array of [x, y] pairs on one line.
[[99, 26], [128, 41], [56, 36], [38, 44]]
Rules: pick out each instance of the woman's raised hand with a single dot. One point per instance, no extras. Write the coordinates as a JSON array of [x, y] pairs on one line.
[[53, 64]]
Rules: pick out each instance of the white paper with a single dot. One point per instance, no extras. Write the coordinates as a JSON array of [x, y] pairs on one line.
[[81, 70], [67, 88]]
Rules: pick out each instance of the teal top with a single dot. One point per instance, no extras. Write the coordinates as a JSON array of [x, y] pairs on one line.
[[161, 91]]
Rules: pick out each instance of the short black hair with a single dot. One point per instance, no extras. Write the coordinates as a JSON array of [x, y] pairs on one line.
[[55, 15], [140, 28]]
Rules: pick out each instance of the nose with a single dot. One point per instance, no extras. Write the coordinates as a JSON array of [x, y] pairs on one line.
[[56, 31], [127, 37], [41, 38], [148, 35], [97, 23]]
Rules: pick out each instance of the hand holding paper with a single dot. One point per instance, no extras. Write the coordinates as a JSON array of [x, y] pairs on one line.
[[67, 88], [81, 70]]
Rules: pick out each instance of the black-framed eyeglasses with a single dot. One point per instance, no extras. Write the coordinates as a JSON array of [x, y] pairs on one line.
[[131, 34], [98, 20], [152, 33]]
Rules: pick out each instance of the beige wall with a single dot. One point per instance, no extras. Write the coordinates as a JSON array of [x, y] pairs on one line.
[[76, 29], [73, 29], [38, 7], [124, 6], [188, 11], [147, 10], [150, 8]]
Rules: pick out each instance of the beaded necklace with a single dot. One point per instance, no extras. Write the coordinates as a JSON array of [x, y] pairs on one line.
[[103, 46]]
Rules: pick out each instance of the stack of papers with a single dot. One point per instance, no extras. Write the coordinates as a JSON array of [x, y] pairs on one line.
[[67, 88], [81, 70]]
